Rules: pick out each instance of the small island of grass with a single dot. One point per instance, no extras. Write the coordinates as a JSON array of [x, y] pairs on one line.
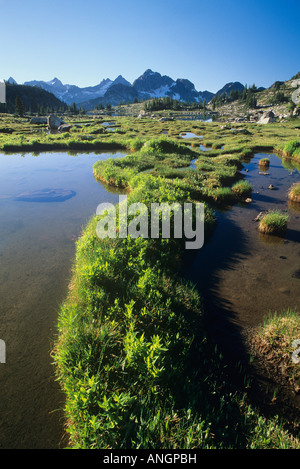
[[264, 162], [274, 222], [294, 192], [242, 189]]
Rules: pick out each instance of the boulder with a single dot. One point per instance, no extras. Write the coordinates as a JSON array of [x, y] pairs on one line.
[[166, 119], [64, 128], [267, 118], [38, 120], [296, 112], [54, 122]]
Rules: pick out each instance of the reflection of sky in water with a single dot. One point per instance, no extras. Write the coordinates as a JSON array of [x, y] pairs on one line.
[[37, 247]]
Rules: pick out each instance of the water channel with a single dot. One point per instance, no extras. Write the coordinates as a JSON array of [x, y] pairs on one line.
[[241, 274], [37, 247]]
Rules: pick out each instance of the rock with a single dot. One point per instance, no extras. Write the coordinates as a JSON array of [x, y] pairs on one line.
[[64, 128], [296, 112], [54, 122], [46, 195], [271, 187], [38, 120], [296, 353], [248, 200], [296, 274], [267, 118], [259, 216], [166, 119]]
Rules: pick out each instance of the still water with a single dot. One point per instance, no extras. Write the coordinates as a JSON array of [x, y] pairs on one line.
[[37, 247], [244, 275]]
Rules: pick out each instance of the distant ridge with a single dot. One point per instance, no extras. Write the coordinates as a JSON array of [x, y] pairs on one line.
[[148, 85]]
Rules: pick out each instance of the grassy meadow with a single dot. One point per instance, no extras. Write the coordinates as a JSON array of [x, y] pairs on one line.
[[132, 354]]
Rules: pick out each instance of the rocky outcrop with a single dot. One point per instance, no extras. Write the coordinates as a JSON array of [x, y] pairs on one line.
[[38, 120], [64, 128], [54, 122], [267, 118]]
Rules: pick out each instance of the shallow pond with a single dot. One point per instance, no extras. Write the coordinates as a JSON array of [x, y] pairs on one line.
[[242, 274], [37, 247], [189, 135]]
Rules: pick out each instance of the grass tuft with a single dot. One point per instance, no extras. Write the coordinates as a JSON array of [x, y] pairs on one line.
[[274, 222]]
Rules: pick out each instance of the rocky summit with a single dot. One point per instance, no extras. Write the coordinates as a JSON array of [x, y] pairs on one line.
[[148, 85]]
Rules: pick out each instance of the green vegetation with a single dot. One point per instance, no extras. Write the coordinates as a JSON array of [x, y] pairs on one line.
[[246, 97], [274, 340], [132, 352], [158, 104], [242, 189], [132, 355], [294, 192], [279, 98], [265, 162], [32, 99], [292, 149], [274, 222]]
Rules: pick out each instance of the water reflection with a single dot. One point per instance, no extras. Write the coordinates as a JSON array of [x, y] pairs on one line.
[[37, 247]]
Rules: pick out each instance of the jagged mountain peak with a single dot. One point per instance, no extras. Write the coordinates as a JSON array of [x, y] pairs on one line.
[[148, 85], [55, 82], [121, 80], [12, 81]]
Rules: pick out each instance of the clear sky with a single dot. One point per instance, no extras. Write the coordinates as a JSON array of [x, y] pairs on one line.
[[209, 42]]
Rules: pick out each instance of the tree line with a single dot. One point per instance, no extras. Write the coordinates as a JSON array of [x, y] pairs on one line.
[[21, 99], [169, 103]]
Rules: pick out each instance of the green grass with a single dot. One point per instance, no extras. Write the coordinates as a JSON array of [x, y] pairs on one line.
[[132, 354], [242, 189], [292, 149], [294, 192], [264, 162], [273, 343], [274, 222]]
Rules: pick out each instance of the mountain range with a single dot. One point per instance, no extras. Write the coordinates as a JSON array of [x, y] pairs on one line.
[[149, 85]]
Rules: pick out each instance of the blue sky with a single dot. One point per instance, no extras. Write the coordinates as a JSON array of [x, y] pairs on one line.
[[209, 42]]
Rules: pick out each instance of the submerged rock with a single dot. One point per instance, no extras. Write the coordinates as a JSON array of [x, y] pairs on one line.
[[46, 195], [259, 216]]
